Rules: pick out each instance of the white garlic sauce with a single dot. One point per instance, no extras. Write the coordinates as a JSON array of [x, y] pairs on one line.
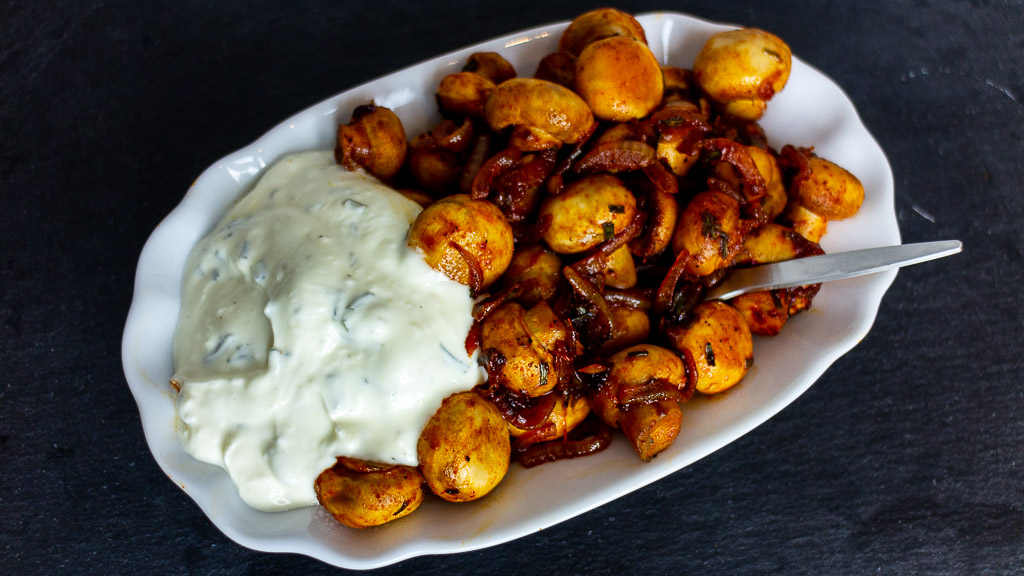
[[309, 330]]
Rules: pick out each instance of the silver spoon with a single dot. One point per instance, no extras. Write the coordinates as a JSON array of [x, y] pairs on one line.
[[828, 267]]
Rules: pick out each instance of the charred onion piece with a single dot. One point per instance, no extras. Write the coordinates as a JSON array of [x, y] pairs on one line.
[[616, 156], [481, 310], [753, 188], [556, 181], [649, 392], [590, 437], [594, 262], [667, 288], [662, 212], [591, 315], [476, 273], [516, 408], [477, 157], [491, 169], [664, 180], [637, 298], [686, 392], [517, 190]]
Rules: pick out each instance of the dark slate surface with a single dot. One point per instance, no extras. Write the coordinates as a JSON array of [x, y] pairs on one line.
[[907, 457]]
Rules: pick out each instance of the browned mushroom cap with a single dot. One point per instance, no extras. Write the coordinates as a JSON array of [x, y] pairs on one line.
[[434, 168], [558, 67], [539, 105], [564, 416], [362, 494], [719, 341], [536, 270], [630, 326], [469, 240], [464, 93], [490, 65], [828, 189], [598, 25], [709, 229], [619, 78], [635, 371], [588, 212], [464, 449], [743, 69], [775, 198], [528, 366], [373, 140]]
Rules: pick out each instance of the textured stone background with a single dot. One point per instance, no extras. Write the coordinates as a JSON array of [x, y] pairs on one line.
[[907, 457]]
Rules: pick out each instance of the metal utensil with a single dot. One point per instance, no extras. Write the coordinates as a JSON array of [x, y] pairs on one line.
[[828, 267]]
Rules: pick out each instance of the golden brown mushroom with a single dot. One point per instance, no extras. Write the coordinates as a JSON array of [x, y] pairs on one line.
[[641, 394], [619, 78], [598, 25], [361, 494], [588, 212], [526, 364], [536, 270], [719, 341], [469, 240], [464, 449], [374, 140], [547, 111], [710, 230], [743, 69], [490, 65]]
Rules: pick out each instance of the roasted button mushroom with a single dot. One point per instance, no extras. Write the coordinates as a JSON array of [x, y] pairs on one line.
[[630, 326], [632, 370], [536, 270], [464, 93], [807, 223], [770, 243], [362, 494], [743, 69], [464, 449], [598, 25], [710, 230], [374, 140], [588, 212], [828, 190], [719, 341], [819, 191], [619, 78], [434, 168], [764, 312], [641, 394], [525, 365], [651, 427], [678, 84], [558, 67], [490, 65], [469, 240], [774, 200], [620, 270], [540, 106]]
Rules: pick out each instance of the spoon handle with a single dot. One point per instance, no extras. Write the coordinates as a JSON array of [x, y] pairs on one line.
[[828, 267]]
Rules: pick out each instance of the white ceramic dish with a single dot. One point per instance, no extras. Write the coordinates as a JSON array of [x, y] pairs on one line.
[[811, 110]]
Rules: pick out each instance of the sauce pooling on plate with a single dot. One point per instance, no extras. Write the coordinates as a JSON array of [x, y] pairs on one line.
[[310, 330]]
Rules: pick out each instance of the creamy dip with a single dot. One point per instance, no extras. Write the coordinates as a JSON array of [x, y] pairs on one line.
[[309, 330]]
